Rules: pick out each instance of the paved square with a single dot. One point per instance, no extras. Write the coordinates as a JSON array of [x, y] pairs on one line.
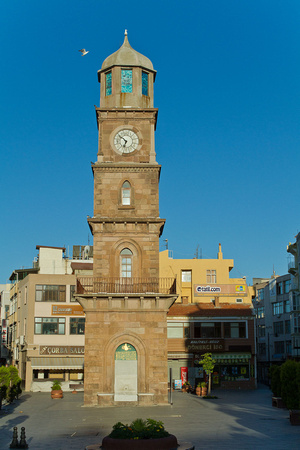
[[236, 420]]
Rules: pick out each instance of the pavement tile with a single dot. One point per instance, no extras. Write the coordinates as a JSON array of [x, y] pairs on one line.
[[235, 420]]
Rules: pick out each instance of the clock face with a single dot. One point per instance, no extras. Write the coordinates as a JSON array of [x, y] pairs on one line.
[[126, 141]]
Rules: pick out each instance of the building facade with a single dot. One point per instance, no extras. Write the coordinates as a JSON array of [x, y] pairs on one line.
[[273, 322], [294, 268], [4, 313], [213, 313], [45, 322]]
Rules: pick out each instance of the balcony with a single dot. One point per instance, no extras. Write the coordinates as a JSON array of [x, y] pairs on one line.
[[292, 248], [97, 285], [291, 268]]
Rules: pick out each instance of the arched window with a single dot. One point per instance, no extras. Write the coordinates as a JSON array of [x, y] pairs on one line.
[[126, 263], [126, 193]]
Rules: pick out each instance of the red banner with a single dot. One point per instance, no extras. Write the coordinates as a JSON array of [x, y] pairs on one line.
[[184, 374]]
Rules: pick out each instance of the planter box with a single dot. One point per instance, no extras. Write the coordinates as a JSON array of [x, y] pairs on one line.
[[57, 393], [277, 402], [295, 416], [167, 443]]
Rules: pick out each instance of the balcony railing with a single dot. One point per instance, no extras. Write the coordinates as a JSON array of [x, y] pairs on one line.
[[95, 285]]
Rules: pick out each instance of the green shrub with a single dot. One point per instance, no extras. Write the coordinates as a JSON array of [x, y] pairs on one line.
[[10, 383], [139, 429], [289, 377], [56, 386], [274, 373]]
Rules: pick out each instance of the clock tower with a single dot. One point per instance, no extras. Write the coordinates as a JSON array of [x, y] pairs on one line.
[[126, 174], [125, 301]]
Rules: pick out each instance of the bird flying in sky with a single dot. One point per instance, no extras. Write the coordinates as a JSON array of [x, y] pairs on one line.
[[83, 51]]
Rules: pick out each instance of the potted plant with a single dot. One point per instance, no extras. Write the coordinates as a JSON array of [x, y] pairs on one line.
[[203, 389], [56, 390], [198, 389], [139, 435], [186, 387], [290, 391]]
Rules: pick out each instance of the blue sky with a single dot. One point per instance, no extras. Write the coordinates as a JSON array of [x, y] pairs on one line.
[[228, 132]]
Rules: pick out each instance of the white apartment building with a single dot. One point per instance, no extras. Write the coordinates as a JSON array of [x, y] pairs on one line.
[[46, 323]]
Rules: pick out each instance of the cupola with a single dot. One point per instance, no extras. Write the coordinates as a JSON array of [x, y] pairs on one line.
[[126, 79]]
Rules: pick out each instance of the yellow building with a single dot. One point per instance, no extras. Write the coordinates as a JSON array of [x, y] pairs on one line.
[[213, 313], [205, 280]]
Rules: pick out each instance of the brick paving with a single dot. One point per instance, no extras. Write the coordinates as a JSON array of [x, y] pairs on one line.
[[236, 420]]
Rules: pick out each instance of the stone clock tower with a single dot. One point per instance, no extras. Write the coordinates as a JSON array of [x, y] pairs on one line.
[[125, 301]]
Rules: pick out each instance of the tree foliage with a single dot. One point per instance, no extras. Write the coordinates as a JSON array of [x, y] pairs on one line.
[[208, 364], [10, 383], [274, 373], [290, 387]]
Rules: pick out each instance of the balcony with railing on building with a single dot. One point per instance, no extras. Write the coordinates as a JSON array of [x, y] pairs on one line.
[[96, 285]]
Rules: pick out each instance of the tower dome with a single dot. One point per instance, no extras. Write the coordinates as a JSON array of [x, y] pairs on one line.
[[127, 56], [126, 79]]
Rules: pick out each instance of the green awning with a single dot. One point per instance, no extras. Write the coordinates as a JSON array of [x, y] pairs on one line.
[[231, 357]]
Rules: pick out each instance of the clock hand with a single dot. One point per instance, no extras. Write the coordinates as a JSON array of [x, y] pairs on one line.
[[124, 141]]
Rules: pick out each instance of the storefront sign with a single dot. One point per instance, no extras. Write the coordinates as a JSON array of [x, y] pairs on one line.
[[205, 345], [61, 350], [70, 310], [219, 289]]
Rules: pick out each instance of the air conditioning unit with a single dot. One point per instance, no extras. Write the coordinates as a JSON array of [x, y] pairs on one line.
[[22, 340]]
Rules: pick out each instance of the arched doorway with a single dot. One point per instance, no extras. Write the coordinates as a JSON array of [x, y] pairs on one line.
[[126, 373]]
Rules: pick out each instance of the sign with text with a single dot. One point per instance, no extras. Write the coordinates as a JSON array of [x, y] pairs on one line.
[[219, 289], [61, 350], [205, 345], [67, 310]]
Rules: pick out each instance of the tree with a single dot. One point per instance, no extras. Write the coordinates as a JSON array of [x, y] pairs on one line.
[[9, 383], [289, 377], [208, 365], [274, 373]]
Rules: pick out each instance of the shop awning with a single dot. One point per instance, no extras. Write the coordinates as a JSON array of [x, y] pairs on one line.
[[57, 363], [231, 357]]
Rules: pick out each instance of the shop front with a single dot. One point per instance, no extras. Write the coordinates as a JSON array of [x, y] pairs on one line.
[[61, 363], [232, 370]]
